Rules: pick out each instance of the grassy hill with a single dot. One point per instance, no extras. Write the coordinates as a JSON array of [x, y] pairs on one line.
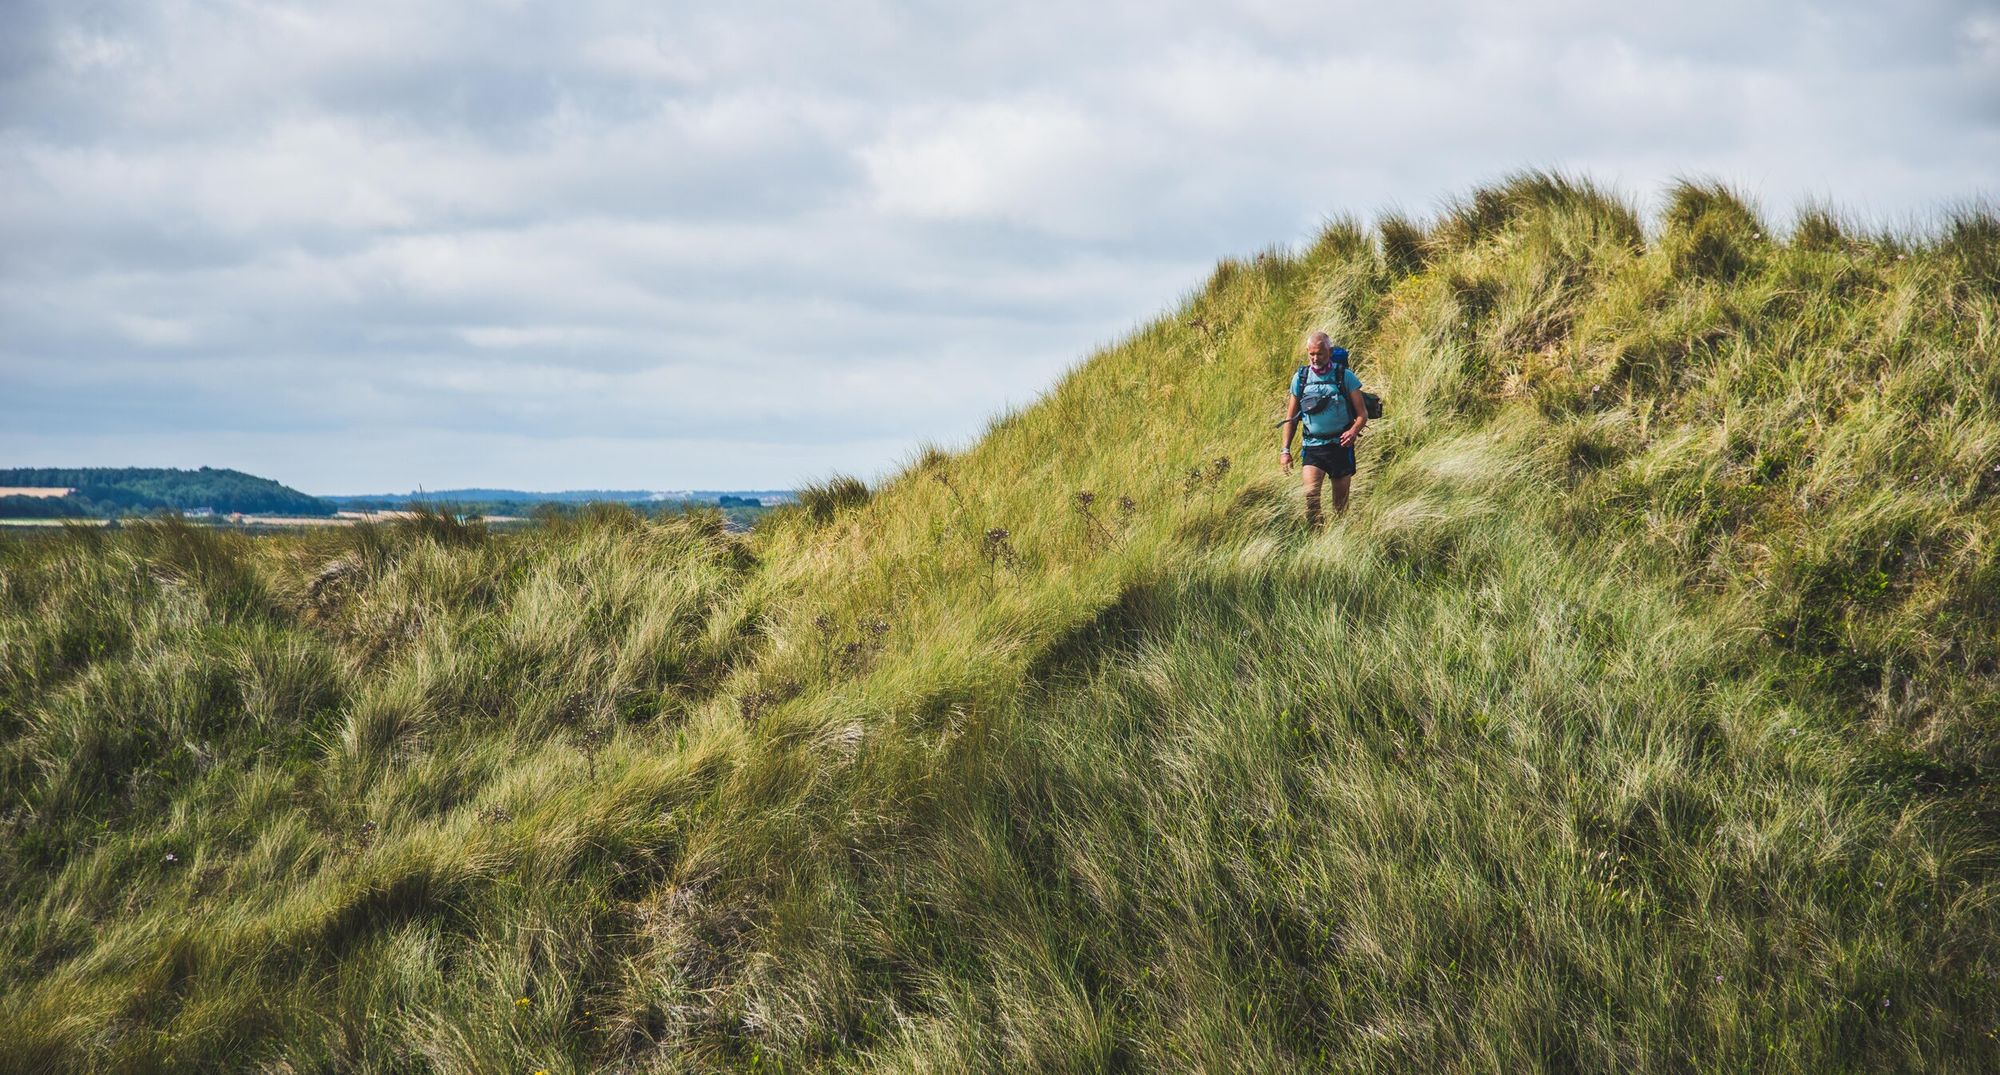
[[1640, 716]]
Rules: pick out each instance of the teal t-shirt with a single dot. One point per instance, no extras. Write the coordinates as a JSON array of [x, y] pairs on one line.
[[1325, 427]]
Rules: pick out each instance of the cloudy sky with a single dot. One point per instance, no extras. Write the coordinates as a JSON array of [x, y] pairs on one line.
[[367, 246]]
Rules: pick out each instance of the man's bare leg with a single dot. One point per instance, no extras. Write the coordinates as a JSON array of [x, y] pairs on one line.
[[1340, 487], [1311, 476]]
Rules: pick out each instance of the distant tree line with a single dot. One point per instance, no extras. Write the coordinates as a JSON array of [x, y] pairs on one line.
[[113, 491], [41, 507], [491, 496], [526, 504]]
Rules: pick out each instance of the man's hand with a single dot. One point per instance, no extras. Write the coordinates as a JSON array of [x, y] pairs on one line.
[[1288, 460], [1349, 436]]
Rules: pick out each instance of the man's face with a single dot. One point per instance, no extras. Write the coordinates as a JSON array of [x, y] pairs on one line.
[[1316, 353]]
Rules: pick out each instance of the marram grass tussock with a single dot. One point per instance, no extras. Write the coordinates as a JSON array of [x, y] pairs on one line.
[[1639, 716]]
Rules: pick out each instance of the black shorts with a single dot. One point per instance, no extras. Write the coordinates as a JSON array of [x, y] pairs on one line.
[[1338, 462]]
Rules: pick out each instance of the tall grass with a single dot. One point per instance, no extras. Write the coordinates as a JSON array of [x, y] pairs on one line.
[[1638, 716]]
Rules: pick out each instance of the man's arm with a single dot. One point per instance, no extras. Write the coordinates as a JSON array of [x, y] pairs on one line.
[[1360, 413], [1290, 423]]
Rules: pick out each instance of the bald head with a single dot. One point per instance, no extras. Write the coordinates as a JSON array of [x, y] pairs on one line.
[[1318, 346]]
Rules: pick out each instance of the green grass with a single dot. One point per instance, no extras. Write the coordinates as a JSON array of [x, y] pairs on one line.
[[1640, 715]]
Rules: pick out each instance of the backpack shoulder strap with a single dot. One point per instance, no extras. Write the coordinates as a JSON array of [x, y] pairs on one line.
[[1341, 372], [1299, 381]]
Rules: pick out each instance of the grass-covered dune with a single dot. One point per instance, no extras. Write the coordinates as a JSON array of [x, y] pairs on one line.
[[1641, 716]]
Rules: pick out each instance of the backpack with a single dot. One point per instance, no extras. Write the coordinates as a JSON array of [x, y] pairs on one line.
[[1369, 400]]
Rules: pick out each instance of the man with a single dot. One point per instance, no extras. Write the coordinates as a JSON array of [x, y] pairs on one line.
[[1326, 397]]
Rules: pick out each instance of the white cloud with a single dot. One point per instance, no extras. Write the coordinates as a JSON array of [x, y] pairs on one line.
[[156, 331], [1981, 34], [1035, 162]]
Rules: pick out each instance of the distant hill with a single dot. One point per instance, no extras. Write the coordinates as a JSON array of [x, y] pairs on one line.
[[476, 496], [108, 491], [570, 496]]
